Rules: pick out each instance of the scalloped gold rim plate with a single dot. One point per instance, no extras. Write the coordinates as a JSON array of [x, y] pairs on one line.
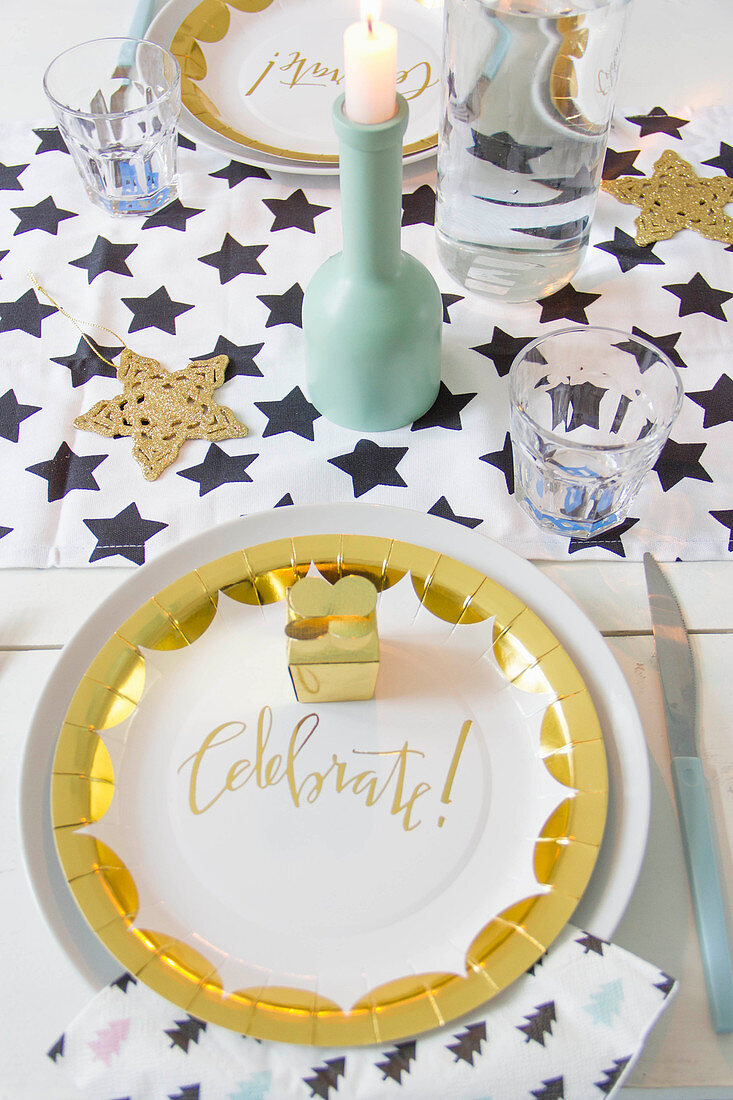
[[210, 22], [529, 655]]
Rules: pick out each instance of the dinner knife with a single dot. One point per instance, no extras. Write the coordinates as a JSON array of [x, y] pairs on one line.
[[679, 692]]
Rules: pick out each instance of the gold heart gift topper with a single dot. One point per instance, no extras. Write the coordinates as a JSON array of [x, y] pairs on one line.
[[333, 646], [674, 197]]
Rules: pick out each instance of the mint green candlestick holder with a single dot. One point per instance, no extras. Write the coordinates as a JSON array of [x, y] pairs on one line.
[[372, 314]]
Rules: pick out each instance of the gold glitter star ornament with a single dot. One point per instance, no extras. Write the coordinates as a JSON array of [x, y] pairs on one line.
[[161, 409], [674, 197]]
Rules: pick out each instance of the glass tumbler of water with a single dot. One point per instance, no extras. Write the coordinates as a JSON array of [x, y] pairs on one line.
[[590, 410], [117, 103], [528, 91]]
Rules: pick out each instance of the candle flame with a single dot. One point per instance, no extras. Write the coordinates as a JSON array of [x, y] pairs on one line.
[[370, 13]]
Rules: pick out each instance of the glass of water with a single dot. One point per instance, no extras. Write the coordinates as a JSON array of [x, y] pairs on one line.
[[117, 102], [528, 93], [590, 410]]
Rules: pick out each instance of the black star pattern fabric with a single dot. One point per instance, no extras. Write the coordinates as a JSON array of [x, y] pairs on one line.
[[445, 412], [369, 465], [294, 212], [610, 540], [680, 460], [628, 253], [442, 508], [419, 206], [294, 413], [236, 171], [67, 471], [105, 256], [241, 359], [658, 122], [26, 314], [12, 415], [503, 349], [503, 460], [576, 405], [717, 402], [667, 344], [567, 303], [158, 310], [697, 296], [620, 163], [173, 216], [505, 152], [724, 159], [222, 271], [83, 364], [45, 215], [50, 141], [124, 534], [234, 259], [725, 516], [285, 308], [10, 176], [568, 189], [448, 301], [218, 468]]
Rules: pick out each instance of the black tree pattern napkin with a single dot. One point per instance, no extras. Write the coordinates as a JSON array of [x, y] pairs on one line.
[[570, 1029]]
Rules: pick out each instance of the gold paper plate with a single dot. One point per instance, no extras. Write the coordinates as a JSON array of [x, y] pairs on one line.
[[83, 784], [273, 79]]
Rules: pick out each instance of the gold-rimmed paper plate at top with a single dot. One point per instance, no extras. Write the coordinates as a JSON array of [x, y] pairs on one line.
[[265, 73], [525, 698]]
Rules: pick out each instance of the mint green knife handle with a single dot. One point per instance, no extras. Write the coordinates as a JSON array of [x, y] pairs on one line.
[[707, 899]]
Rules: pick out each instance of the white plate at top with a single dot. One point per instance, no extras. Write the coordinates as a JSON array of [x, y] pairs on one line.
[[622, 850], [259, 84]]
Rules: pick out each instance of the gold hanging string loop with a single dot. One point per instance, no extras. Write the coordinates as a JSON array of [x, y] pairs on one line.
[[37, 286]]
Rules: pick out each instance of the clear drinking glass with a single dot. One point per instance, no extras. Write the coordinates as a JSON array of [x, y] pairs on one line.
[[117, 102], [590, 410], [528, 94]]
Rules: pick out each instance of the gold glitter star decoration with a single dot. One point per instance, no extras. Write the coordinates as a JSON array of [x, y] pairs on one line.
[[161, 409], [674, 197]]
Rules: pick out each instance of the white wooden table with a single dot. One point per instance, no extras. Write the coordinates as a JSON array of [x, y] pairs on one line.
[[42, 990]]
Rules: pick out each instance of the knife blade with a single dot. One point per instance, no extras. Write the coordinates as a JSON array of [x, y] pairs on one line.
[[679, 692]]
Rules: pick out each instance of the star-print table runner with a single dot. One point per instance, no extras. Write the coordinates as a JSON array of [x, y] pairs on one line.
[[222, 270]]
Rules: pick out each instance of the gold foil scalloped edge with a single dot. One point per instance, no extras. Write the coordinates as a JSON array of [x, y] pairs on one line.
[[194, 27], [443, 997]]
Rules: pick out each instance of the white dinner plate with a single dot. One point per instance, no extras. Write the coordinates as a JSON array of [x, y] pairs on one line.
[[612, 881], [259, 79]]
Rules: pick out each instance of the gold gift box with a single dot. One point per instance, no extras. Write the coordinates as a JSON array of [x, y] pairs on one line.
[[333, 646]]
